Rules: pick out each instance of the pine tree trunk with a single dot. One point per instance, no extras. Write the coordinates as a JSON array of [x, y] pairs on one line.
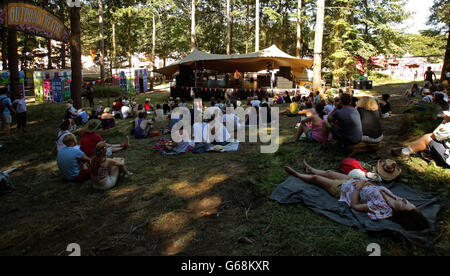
[[317, 77], [257, 27], [75, 50], [113, 29], [153, 45], [446, 67], [247, 28], [228, 27], [4, 34], [193, 34], [299, 29], [102, 42], [13, 61], [49, 54], [63, 44], [130, 56]]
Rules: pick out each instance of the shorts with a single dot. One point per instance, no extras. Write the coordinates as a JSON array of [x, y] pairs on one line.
[[110, 182], [439, 153], [309, 136], [7, 119], [338, 135], [335, 189], [84, 175]]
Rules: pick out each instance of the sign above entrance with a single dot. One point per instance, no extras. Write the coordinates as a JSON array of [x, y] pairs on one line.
[[33, 20]]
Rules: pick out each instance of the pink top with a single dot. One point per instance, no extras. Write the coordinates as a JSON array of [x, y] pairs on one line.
[[317, 132], [370, 195]]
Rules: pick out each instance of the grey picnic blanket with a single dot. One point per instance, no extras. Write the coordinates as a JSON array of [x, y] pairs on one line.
[[294, 190]]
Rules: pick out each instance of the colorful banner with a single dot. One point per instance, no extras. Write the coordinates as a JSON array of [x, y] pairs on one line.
[[34, 20]]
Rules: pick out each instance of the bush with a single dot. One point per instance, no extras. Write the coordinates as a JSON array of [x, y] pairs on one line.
[[104, 91]]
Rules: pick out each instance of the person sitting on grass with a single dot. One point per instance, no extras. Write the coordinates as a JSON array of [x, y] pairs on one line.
[[292, 110], [143, 126], [72, 161], [370, 120], [287, 98], [64, 129], [100, 108], [94, 115], [361, 195], [105, 171], [125, 111], [89, 139], [439, 100], [385, 106], [438, 143], [108, 119], [344, 123], [159, 114], [313, 134], [413, 92], [148, 106]]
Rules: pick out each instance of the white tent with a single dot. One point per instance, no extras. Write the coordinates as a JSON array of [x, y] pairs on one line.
[[252, 62]]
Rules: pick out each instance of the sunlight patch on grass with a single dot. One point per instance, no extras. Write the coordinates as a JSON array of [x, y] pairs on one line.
[[170, 222], [186, 189], [176, 244]]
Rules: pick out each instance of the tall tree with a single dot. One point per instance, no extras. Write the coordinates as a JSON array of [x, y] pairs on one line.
[[257, 26], [75, 50], [228, 27], [102, 42], [317, 77], [4, 35], [13, 62], [193, 33], [247, 27], [440, 18], [299, 28]]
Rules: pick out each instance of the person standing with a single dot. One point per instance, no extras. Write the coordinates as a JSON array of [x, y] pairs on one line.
[[428, 76], [237, 77], [90, 95], [6, 110], [21, 112]]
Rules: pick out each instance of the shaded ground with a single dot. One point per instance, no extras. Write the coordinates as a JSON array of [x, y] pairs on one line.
[[208, 204]]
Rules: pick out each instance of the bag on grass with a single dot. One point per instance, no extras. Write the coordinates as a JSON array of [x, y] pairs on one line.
[[161, 146]]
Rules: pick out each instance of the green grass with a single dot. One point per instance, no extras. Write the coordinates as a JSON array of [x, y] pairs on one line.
[[161, 209]]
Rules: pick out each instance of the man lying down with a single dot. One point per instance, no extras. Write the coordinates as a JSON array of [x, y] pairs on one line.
[[377, 201]]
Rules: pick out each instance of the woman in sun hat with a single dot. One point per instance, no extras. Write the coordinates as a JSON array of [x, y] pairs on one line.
[[361, 195], [105, 171], [90, 139]]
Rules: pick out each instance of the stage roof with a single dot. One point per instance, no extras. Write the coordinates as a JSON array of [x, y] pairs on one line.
[[252, 62]]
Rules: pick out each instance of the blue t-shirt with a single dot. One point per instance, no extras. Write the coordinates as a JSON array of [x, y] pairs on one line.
[[5, 101], [67, 160], [349, 123]]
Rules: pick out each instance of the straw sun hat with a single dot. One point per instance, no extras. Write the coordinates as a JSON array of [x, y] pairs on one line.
[[92, 126], [388, 169]]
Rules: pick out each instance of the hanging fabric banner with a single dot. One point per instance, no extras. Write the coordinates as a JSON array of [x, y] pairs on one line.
[[33, 20]]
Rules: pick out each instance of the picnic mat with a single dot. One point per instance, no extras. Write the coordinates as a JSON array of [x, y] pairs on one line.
[[294, 190]]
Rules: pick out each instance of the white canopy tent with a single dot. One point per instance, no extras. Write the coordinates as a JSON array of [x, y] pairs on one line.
[[252, 62]]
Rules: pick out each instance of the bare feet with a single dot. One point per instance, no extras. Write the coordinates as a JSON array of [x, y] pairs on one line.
[[290, 170], [128, 174], [308, 168]]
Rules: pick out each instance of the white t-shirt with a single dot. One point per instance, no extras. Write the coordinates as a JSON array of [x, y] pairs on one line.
[[428, 99], [60, 137], [256, 103], [328, 108], [232, 118], [21, 105], [125, 110], [201, 133]]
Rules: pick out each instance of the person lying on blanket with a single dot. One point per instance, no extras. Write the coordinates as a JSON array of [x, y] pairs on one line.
[[377, 201]]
